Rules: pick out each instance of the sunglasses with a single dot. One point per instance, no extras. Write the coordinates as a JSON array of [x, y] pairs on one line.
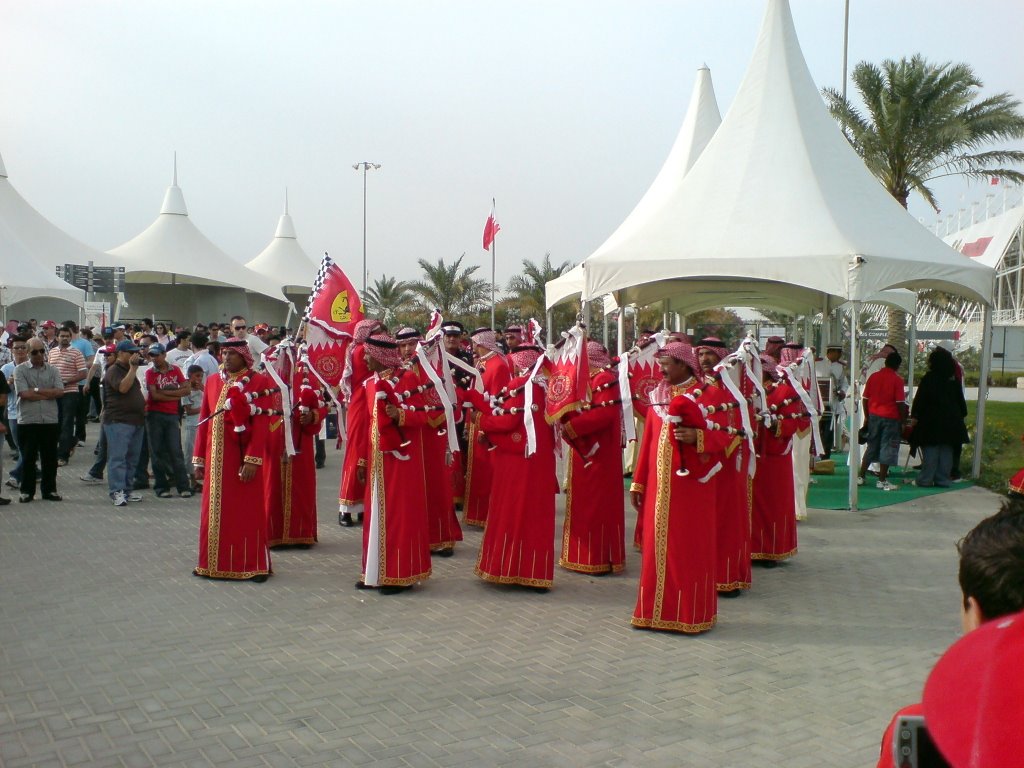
[[37, 351], [239, 327]]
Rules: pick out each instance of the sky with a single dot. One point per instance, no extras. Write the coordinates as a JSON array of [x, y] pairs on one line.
[[561, 110]]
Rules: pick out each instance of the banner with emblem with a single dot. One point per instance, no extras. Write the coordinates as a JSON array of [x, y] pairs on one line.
[[569, 376], [333, 309], [644, 372]]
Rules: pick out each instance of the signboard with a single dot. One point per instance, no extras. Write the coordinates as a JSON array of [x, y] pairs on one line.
[[96, 314], [93, 279]]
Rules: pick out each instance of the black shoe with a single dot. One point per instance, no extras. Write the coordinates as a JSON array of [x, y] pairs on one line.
[[259, 579], [541, 590], [345, 520], [393, 589], [141, 486], [730, 593], [363, 585], [446, 552], [53, 497], [320, 465], [359, 518], [25, 498], [4, 502], [767, 563]]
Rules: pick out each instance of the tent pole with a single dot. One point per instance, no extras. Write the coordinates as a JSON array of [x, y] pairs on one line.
[[979, 416], [911, 354], [548, 320], [620, 326], [854, 409], [604, 324]]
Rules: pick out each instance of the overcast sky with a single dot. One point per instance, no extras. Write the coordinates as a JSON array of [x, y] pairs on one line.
[[562, 110]]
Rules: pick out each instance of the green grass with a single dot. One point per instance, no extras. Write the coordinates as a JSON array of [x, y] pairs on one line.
[[1003, 452]]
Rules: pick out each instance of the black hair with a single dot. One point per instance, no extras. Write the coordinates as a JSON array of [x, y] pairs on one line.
[[194, 369], [893, 360], [992, 561]]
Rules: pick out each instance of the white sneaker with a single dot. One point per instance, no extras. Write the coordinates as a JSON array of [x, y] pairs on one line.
[[119, 499], [860, 481], [885, 485], [133, 497], [87, 478]]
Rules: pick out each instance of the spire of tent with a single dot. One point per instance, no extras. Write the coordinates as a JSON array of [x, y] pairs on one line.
[[285, 227], [174, 200], [779, 195], [286, 201], [283, 261]]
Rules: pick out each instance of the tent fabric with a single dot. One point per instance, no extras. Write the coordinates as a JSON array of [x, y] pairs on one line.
[[283, 261], [779, 195], [701, 120], [986, 241], [30, 247], [172, 250]]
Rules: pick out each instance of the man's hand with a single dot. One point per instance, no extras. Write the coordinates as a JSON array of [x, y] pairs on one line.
[[393, 411], [306, 418], [685, 435], [636, 499], [198, 471], [85, 387], [361, 474], [247, 472]]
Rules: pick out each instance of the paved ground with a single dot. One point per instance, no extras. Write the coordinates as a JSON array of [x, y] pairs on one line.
[[112, 654]]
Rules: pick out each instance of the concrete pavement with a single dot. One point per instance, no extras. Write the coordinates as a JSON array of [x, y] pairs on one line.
[[112, 654]]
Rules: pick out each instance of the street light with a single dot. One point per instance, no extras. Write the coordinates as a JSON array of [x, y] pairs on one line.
[[365, 166]]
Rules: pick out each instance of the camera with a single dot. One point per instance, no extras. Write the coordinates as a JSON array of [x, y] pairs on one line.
[[913, 747]]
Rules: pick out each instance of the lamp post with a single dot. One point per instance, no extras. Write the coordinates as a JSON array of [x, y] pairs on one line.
[[365, 166]]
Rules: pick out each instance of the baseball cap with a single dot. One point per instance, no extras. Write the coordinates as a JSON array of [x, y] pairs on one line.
[[155, 349], [975, 694], [109, 349], [48, 324], [126, 346]]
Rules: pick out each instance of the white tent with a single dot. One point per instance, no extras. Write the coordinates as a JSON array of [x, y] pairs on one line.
[[30, 247], [284, 262], [209, 284], [778, 195], [699, 124]]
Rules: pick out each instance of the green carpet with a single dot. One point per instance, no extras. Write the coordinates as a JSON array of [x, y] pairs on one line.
[[831, 491]]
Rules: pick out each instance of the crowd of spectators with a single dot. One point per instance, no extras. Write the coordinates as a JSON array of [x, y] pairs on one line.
[[142, 383]]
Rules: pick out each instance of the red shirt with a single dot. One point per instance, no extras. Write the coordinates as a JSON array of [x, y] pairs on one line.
[[172, 378], [883, 390]]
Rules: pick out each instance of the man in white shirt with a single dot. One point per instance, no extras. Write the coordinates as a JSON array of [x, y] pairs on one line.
[[180, 352], [201, 356], [239, 329]]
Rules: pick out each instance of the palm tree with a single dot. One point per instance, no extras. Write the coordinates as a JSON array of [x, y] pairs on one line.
[[527, 288], [386, 298], [451, 288], [924, 121]]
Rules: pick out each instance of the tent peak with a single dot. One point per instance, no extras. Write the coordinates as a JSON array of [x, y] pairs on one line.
[[286, 201], [285, 227], [174, 200]]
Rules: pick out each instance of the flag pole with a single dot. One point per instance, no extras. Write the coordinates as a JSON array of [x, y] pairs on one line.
[[493, 239]]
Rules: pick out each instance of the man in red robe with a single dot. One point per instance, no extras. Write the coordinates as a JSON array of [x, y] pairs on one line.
[[774, 520], [396, 543], [733, 573], [229, 451], [496, 374], [593, 534], [518, 542], [290, 481], [677, 570], [357, 426]]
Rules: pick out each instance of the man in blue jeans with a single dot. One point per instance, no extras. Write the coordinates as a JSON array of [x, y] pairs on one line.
[[124, 415], [165, 386]]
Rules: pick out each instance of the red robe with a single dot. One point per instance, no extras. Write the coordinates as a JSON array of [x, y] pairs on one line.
[[774, 518], [733, 507], [518, 543], [357, 437], [443, 524], [233, 522], [677, 571], [496, 374], [593, 534], [290, 485], [396, 545]]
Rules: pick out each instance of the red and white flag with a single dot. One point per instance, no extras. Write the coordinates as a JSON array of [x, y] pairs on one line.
[[491, 228], [568, 377], [333, 309]]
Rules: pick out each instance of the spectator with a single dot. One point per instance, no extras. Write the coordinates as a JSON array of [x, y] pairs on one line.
[[239, 331], [165, 385], [72, 369], [991, 576], [181, 350], [4, 397], [202, 356], [885, 404], [146, 326], [6, 357], [215, 333], [95, 473], [162, 337], [124, 416], [83, 345], [49, 333], [19, 347], [191, 403], [145, 340], [39, 386], [119, 332], [937, 416]]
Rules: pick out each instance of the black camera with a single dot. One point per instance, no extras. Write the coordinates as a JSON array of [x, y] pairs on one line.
[[913, 747]]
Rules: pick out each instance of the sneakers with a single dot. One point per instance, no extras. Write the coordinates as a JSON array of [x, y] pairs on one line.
[[860, 481], [87, 478], [885, 485], [13, 484], [133, 497], [119, 499]]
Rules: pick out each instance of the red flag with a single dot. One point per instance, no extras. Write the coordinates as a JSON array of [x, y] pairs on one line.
[[491, 228], [569, 377], [331, 314], [994, 181]]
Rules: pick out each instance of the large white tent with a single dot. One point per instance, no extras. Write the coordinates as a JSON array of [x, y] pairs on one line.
[[30, 247], [207, 283], [284, 262], [778, 195]]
